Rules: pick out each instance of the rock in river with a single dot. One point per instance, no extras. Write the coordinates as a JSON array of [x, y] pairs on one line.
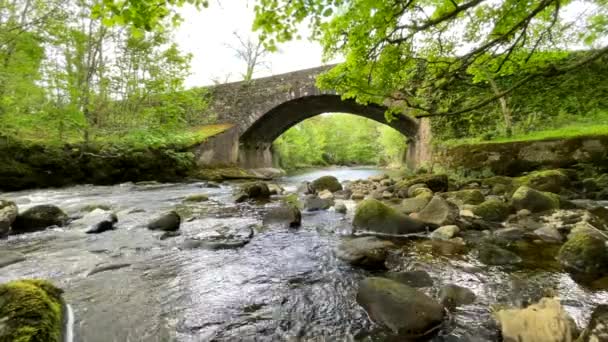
[[491, 254], [222, 237], [31, 310], [169, 221], [373, 215], [314, 203], [38, 218], [255, 191], [534, 200], [406, 311], [439, 212], [366, 251], [453, 295], [8, 214], [545, 321], [286, 213], [97, 221], [330, 183], [584, 255], [597, 330]]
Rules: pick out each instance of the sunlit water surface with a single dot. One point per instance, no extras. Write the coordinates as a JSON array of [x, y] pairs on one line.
[[285, 285]]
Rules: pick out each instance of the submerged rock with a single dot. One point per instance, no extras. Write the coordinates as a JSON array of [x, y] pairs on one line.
[[491, 254], [493, 210], [196, 198], [107, 267], [340, 208], [97, 221], [330, 183], [39, 218], [169, 221], [452, 296], [439, 212], [287, 214], [534, 200], [373, 215], [31, 310], [412, 278], [545, 321], [222, 237], [366, 251], [584, 255], [404, 310], [8, 214], [8, 258]]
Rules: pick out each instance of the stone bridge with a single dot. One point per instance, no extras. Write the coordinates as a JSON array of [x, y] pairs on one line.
[[262, 109]]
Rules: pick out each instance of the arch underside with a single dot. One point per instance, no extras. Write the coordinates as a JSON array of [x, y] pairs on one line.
[[282, 117]]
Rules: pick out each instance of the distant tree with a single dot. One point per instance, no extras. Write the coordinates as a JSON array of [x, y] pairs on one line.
[[252, 52]]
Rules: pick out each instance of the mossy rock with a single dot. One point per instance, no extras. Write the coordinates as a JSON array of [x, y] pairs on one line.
[[546, 180], [38, 218], [30, 311], [437, 183], [535, 201], [468, 196], [197, 198], [373, 215], [492, 210], [330, 183], [585, 256]]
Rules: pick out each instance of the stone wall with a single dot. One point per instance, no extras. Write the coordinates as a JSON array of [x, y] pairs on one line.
[[513, 158]]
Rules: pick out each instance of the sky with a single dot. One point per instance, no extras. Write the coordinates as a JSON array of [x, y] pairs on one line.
[[209, 33]]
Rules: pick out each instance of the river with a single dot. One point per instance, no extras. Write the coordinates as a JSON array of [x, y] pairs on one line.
[[285, 285]]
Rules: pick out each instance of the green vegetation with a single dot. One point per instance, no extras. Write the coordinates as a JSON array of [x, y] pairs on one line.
[[30, 310], [66, 78], [340, 139]]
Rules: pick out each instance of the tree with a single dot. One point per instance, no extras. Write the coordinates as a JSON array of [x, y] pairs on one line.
[[413, 51], [252, 52]]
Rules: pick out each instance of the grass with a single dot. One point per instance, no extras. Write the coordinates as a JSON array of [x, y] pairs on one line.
[[570, 127], [134, 138]]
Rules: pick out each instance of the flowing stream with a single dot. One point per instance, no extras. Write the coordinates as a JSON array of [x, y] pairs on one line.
[[284, 285]]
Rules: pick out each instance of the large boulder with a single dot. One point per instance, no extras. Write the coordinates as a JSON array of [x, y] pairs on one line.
[[547, 180], [439, 212], [330, 183], [365, 251], [534, 200], [39, 218], [584, 255], [31, 310], [404, 310], [444, 232], [286, 214], [492, 210], [253, 191], [544, 321], [169, 221], [375, 216], [8, 214], [597, 330], [467, 196]]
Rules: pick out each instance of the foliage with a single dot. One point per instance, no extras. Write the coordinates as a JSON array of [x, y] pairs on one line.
[[413, 51], [339, 139], [62, 69]]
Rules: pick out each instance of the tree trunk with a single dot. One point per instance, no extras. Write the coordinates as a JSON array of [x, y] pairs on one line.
[[504, 106]]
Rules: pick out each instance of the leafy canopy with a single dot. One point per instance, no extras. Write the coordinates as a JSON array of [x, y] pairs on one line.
[[412, 52]]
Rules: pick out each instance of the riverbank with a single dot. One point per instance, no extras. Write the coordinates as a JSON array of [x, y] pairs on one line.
[[26, 164]]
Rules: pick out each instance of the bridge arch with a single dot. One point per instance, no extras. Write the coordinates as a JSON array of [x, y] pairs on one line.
[[256, 141]]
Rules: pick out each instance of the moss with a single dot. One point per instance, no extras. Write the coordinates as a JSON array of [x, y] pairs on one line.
[[585, 255], [533, 200], [469, 196], [31, 311], [546, 180], [492, 210], [197, 198], [437, 183], [330, 183], [293, 200]]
